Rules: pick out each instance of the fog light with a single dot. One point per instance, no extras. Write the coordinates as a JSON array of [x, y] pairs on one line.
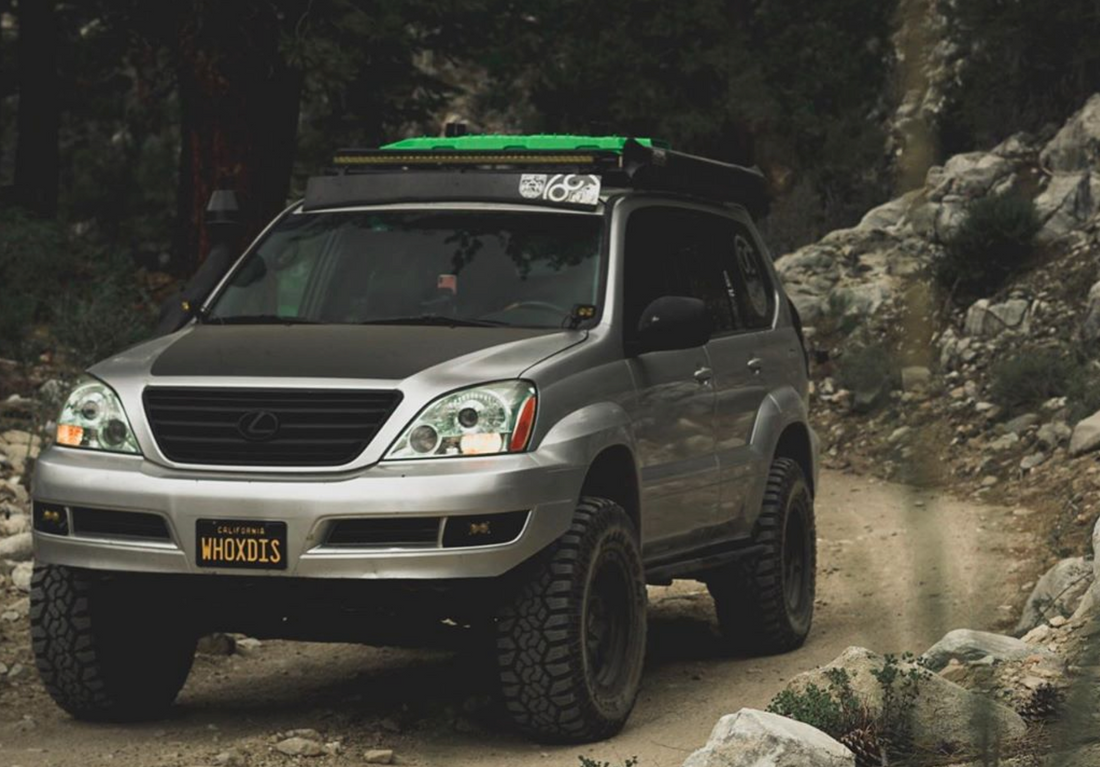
[[50, 518], [483, 530], [424, 439]]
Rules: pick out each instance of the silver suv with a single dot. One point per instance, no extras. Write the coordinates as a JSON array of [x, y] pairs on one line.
[[483, 388]]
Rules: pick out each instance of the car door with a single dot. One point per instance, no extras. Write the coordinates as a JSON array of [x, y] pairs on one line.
[[744, 362], [673, 404]]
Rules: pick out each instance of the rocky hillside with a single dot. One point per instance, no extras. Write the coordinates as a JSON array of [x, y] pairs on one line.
[[995, 395]]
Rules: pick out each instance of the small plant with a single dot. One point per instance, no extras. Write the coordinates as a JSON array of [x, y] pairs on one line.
[[994, 240], [835, 711], [586, 762], [900, 689]]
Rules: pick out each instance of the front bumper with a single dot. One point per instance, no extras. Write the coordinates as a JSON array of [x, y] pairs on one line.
[[543, 484]]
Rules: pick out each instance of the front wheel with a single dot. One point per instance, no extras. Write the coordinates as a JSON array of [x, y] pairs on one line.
[[108, 648], [765, 604], [571, 644]]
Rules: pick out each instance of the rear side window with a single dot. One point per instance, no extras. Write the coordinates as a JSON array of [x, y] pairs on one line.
[[751, 287]]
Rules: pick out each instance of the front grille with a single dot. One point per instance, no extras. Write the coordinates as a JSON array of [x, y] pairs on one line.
[[103, 523], [265, 427], [388, 531]]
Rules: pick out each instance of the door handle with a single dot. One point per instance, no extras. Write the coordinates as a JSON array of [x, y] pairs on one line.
[[703, 375], [755, 364]]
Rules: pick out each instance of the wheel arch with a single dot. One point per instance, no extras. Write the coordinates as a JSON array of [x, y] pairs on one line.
[[796, 443], [613, 474]]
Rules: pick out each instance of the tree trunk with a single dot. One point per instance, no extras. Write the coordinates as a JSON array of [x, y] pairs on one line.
[[239, 103], [38, 122]]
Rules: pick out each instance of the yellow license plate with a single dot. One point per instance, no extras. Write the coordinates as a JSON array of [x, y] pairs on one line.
[[240, 544]]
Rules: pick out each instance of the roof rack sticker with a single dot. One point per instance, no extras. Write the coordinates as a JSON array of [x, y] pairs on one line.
[[572, 188]]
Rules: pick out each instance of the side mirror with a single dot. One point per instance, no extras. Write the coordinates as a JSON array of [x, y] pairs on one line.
[[671, 323]]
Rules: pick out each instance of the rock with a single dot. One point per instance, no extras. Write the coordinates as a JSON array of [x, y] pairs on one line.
[[14, 524], [21, 576], [968, 646], [971, 175], [247, 646], [1058, 592], [943, 712], [899, 434], [1090, 328], [915, 377], [379, 756], [1086, 436], [753, 738], [1053, 434], [1096, 551], [1004, 442], [216, 644], [17, 548], [1066, 204], [299, 747], [1076, 147], [1029, 462], [1021, 424], [986, 319], [304, 732]]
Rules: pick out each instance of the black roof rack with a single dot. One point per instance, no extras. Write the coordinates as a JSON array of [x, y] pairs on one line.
[[373, 176]]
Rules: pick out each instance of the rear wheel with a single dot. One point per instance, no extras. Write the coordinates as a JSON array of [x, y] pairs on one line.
[[571, 644], [107, 647], [765, 604]]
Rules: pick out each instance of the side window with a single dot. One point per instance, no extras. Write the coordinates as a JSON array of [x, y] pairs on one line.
[[674, 252], [650, 271], [751, 287]]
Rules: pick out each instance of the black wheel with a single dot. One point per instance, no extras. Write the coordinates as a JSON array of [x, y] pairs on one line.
[[765, 604], [571, 644], [108, 648]]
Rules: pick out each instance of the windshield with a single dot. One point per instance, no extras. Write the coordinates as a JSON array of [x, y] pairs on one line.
[[524, 269]]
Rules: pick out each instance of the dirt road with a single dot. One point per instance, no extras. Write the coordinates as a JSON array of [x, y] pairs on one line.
[[897, 569]]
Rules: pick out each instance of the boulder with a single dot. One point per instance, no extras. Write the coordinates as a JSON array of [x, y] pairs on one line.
[[1053, 434], [1067, 203], [1058, 593], [1086, 436], [969, 646], [944, 715], [971, 175], [1076, 146], [986, 319], [1020, 424], [753, 738]]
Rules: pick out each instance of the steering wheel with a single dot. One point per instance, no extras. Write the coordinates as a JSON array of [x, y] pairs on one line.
[[541, 306]]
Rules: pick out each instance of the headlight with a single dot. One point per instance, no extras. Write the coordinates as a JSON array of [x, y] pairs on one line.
[[483, 420], [93, 418]]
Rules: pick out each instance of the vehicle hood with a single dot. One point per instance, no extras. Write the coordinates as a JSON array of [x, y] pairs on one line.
[[369, 352]]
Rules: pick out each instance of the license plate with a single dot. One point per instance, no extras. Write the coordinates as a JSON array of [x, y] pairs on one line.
[[241, 543]]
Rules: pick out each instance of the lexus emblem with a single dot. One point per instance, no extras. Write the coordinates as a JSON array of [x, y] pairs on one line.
[[258, 425]]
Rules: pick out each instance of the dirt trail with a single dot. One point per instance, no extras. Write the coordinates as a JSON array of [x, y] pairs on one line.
[[897, 569]]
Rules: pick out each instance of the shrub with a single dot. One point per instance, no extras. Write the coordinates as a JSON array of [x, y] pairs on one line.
[[993, 241], [1032, 376], [868, 370], [836, 711]]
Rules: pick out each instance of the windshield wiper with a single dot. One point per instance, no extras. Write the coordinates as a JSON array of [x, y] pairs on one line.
[[259, 319], [435, 319]]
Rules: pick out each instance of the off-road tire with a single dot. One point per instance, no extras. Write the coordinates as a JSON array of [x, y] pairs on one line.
[[764, 606], [108, 648], [571, 643]]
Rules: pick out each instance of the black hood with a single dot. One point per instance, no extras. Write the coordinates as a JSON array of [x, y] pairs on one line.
[[338, 351]]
